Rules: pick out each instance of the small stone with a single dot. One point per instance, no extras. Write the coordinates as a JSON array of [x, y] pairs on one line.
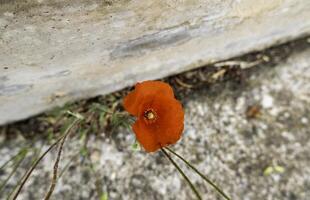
[[286, 115], [267, 101], [8, 14], [266, 58], [113, 176], [304, 120]]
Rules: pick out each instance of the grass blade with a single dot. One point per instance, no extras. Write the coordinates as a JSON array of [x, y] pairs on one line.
[[20, 160]]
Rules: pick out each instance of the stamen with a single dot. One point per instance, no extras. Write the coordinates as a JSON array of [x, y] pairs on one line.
[[150, 115]]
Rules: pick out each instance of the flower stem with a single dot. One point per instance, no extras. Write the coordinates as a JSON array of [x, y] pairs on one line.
[[182, 173], [200, 174]]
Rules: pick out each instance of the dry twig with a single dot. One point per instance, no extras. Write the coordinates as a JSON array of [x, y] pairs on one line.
[[29, 172]]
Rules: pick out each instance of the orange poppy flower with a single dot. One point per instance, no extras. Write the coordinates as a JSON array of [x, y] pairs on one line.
[[160, 117]]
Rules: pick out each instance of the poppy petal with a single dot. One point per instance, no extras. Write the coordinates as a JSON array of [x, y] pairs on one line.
[[171, 121], [145, 137], [154, 87], [130, 103], [150, 89], [169, 124]]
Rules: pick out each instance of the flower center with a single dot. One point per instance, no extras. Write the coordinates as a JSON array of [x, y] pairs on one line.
[[150, 115]]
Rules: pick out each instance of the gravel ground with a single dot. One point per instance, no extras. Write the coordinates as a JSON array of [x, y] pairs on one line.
[[251, 137]]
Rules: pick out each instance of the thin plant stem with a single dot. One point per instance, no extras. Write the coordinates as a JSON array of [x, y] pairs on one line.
[[36, 155], [17, 164], [20, 152], [199, 173], [73, 158], [29, 172], [55, 169], [182, 173]]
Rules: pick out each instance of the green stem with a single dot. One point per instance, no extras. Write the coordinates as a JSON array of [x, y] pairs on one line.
[[23, 155], [200, 174], [21, 152], [182, 173]]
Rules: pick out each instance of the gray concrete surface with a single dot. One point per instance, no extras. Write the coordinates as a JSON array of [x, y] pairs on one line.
[[57, 51], [264, 157]]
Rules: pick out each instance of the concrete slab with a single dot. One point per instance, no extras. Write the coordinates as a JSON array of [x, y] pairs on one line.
[[58, 51]]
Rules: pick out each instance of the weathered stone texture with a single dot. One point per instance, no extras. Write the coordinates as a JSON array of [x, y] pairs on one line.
[[53, 52]]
